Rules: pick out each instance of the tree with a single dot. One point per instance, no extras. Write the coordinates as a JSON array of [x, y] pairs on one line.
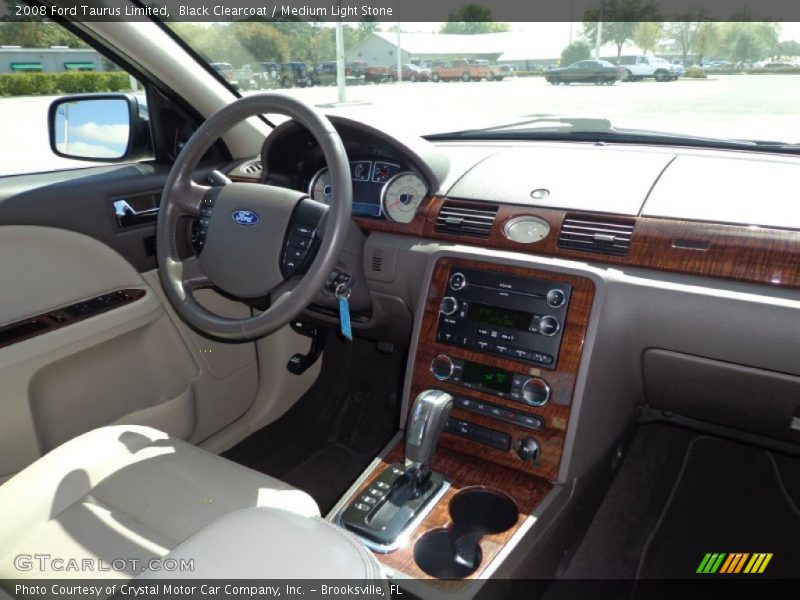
[[619, 20], [788, 49], [471, 19], [37, 34], [647, 35], [683, 32], [263, 42], [746, 42], [704, 39], [578, 50]]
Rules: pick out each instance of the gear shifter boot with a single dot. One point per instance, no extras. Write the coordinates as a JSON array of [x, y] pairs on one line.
[[402, 493]]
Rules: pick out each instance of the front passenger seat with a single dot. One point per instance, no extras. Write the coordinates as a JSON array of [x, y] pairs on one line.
[[119, 496]]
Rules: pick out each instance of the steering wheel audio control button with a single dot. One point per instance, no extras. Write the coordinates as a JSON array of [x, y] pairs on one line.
[[200, 226]]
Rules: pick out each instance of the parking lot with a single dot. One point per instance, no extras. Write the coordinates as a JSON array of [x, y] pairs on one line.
[[734, 106]]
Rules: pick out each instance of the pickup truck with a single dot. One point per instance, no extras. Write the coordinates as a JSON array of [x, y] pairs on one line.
[[466, 70], [640, 67], [375, 74]]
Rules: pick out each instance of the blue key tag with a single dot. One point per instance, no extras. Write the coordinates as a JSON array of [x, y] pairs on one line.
[[342, 294]]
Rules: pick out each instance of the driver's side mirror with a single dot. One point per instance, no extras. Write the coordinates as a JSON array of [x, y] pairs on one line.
[[100, 127]]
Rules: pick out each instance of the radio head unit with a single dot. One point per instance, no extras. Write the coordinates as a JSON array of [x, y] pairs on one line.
[[517, 317]]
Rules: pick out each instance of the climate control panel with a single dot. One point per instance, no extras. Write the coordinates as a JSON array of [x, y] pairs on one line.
[[533, 391]]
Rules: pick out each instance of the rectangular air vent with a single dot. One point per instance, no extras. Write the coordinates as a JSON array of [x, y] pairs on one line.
[[252, 168], [595, 233], [466, 219]]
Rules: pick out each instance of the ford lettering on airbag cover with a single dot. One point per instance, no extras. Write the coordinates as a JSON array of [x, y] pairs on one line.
[[245, 217]]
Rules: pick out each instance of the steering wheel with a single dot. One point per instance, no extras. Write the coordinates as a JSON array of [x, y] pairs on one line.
[[246, 227]]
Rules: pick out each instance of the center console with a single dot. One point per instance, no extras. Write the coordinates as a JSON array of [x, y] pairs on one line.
[[504, 343]]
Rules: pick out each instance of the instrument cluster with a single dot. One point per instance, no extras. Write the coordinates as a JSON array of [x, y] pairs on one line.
[[381, 189]]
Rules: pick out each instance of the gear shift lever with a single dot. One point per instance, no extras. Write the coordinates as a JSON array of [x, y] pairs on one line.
[[426, 421], [401, 494]]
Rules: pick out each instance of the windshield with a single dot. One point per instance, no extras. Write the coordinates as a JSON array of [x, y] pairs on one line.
[[729, 80]]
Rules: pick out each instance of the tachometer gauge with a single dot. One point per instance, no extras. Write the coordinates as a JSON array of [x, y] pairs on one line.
[[402, 195], [320, 186]]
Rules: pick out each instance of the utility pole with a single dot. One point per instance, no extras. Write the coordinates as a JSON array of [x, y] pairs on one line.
[[399, 53], [340, 72], [599, 40]]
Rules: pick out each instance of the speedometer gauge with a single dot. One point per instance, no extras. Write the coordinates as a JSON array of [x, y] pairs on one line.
[[320, 188], [402, 195]]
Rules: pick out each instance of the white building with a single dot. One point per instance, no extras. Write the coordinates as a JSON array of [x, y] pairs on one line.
[[517, 48], [523, 49]]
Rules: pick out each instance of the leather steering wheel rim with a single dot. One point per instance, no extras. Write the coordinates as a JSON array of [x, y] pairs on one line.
[[182, 197]]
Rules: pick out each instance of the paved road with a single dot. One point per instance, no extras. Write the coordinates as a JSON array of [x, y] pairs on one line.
[[736, 106]]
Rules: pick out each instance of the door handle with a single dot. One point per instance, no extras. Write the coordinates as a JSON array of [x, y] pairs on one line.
[[127, 216]]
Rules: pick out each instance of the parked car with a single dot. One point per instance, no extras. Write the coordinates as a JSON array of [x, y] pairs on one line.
[[716, 64], [638, 67], [295, 73], [375, 74], [409, 72], [227, 71], [678, 67], [263, 75], [466, 70], [598, 72], [324, 74], [356, 68], [508, 70], [431, 64]]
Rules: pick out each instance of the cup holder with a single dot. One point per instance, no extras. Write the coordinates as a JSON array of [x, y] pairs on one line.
[[455, 552]]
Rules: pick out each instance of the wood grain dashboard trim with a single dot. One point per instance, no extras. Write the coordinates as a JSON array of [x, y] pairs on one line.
[[463, 472], [561, 379], [748, 254]]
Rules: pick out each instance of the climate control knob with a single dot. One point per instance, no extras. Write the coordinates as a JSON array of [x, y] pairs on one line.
[[448, 306], [528, 449], [442, 367], [535, 391], [549, 326]]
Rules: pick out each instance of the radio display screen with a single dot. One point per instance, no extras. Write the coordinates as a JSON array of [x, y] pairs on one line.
[[487, 377], [502, 317]]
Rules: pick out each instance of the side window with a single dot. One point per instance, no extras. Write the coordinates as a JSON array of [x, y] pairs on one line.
[[42, 63]]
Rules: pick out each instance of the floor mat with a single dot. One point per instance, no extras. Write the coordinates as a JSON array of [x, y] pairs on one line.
[[729, 498], [324, 441], [680, 495]]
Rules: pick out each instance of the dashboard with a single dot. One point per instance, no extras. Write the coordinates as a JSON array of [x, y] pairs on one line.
[[725, 218], [562, 291]]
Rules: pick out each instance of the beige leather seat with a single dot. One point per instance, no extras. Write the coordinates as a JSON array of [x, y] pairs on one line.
[[124, 495]]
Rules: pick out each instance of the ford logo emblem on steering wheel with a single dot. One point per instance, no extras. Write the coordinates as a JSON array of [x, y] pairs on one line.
[[245, 217]]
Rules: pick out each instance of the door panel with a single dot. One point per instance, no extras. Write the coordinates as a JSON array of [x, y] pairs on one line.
[[81, 200], [127, 361]]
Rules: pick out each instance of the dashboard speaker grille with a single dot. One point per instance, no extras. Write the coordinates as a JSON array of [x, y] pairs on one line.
[[593, 233], [377, 260], [466, 219]]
